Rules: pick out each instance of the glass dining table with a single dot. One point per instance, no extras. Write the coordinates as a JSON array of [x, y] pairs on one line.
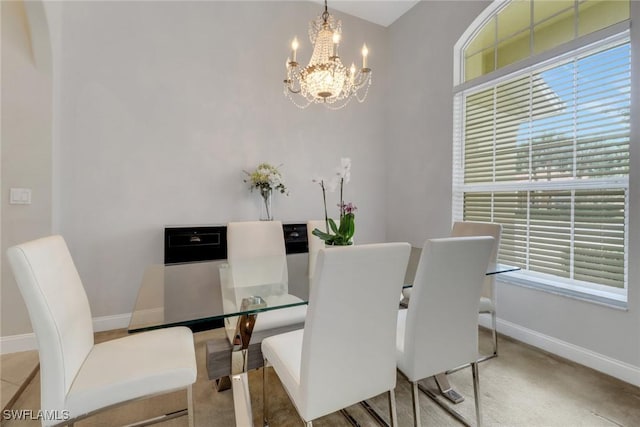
[[193, 295], [208, 295]]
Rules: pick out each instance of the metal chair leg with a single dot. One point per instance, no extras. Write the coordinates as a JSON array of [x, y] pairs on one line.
[[416, 404], [265, 403], [494, 332], [393, 413], [190, 412], [476, 392]]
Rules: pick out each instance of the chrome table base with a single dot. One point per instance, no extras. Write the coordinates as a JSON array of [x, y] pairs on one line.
[[239, 357]]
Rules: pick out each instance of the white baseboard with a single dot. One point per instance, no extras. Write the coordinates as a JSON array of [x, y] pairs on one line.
[[26, 342], [16, 343], [108, 323], [615, 368]]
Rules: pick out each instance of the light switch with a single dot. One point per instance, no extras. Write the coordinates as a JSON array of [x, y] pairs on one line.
[[20, 196]]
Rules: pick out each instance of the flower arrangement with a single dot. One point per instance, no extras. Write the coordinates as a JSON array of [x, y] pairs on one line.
[[342, 234], [266, 179]]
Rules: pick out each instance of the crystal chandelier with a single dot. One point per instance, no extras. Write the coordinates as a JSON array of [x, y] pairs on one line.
[[325, 80]]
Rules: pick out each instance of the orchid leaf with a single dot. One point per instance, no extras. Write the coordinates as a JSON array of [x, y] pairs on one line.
[[333, 226]]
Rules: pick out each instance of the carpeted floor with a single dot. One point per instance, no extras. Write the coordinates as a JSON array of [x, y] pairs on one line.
[[522, 387]]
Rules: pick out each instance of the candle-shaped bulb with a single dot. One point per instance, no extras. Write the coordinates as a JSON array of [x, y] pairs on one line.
[[365, 53], [352, 71], [294, 48], [336, 41]]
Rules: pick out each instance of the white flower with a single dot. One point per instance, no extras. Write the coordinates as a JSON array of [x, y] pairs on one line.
[[344, 171], [274, 179], [332, 184], [329, 185], [266, 178], [345, 162]]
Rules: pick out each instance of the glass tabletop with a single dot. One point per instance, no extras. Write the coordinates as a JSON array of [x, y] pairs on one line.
[[492, 269], [498, 268], [201, 295]]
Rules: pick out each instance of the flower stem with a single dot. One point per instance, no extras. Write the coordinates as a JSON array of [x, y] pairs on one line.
[[324, 199], [341, 199]]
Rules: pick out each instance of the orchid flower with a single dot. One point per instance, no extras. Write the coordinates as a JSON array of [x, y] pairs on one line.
[[344, 171], [348, 208], [332, 184]]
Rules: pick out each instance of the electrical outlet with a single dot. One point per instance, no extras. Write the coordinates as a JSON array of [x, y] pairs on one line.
[[20, 196]]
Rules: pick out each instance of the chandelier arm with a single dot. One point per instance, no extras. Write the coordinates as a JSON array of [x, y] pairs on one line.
[[290, 81], [361, 79], [364, 96]]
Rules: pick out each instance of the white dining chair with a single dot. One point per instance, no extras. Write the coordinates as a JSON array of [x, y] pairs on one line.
[[78, 377], [257, 266], [488, 301], [439, 330], [346, 351]]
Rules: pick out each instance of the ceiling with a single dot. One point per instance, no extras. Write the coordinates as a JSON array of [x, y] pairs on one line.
[[381, 12]]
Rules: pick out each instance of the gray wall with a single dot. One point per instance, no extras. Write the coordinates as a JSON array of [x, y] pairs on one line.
[[26, 153], [163, 106], [420, 115], [420, 153]]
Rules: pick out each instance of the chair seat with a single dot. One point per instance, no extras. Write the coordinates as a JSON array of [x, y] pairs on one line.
[[283, 353], [486, 305], [132, 367]]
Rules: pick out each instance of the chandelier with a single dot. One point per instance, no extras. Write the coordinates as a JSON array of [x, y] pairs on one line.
[[325, 80]]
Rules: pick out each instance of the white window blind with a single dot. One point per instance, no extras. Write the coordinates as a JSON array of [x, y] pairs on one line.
[[545, 153]]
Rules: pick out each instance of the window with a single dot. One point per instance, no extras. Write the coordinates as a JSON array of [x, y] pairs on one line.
[[543, 149]]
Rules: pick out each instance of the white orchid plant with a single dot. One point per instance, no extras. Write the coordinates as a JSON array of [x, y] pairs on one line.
[[337, 234]]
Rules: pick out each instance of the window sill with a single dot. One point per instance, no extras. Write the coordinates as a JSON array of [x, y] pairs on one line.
[[600, 297]]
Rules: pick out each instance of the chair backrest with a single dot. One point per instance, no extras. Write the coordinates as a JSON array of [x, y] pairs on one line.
[[441, 329], [59, 312], [348, 350], [476, 228], [315, 243], [256, 254]]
